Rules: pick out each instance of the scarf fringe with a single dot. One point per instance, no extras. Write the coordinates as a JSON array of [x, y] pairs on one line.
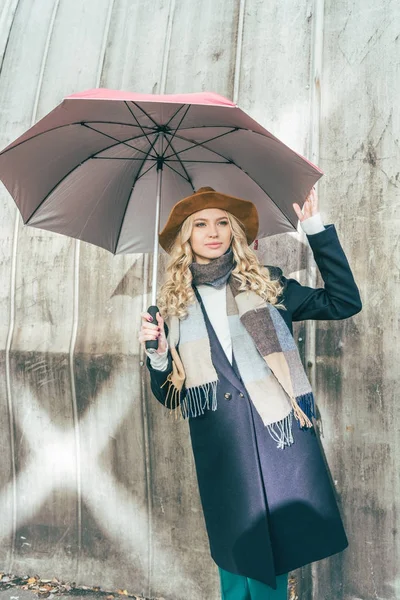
[[281, 431], [198, 400], [307, 404], [304, 409], [173, 395]]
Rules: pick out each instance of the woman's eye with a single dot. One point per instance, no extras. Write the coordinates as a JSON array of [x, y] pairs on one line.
[[220, 223]]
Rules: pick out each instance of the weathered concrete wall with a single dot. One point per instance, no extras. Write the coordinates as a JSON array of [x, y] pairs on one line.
[[97, 485]]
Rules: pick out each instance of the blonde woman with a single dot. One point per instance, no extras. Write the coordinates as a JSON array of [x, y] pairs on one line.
[[226, 361]]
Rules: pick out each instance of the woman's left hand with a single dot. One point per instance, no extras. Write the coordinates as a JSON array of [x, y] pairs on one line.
[[310, 207]]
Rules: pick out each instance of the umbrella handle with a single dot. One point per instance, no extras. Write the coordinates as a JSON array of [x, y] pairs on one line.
[[152, 345]]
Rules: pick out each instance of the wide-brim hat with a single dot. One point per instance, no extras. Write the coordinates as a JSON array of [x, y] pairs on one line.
[[207, 197]]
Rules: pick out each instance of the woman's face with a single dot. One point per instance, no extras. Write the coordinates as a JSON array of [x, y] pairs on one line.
[[211, 234]]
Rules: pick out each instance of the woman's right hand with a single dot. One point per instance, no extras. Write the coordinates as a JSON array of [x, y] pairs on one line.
[[151, 331]]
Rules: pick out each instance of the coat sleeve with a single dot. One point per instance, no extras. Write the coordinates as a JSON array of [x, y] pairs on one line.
[[159, 378], [339, 298]]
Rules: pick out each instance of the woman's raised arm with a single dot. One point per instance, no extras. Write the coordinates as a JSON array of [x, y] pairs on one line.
[[339, 298]]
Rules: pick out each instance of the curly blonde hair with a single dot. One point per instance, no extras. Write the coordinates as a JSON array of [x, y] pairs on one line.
[[176, 293]]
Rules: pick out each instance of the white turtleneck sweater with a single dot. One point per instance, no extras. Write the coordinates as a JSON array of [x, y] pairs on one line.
[[214, 301]]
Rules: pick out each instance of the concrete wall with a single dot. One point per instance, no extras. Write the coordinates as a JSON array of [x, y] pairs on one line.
[[97, 485]]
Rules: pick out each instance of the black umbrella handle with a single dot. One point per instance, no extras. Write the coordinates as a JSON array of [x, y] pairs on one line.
[[152, 345]]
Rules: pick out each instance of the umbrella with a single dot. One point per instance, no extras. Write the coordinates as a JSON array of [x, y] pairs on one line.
[[107, 167]]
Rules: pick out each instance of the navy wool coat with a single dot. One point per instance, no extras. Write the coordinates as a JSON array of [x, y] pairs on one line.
[[268, 511]]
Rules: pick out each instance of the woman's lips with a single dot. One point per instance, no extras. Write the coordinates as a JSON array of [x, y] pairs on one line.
[[217, 245]]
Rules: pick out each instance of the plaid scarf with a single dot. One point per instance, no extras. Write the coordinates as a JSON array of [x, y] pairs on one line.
[[264, 349]]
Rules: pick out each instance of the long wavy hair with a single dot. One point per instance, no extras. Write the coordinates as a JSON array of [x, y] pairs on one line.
[[177, 293]]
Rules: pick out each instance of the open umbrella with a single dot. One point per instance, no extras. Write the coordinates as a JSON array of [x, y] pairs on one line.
[[107, 167]]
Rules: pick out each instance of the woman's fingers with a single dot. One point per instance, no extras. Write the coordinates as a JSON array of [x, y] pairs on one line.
[[151, 330], [144, 337], [298, 212], [314, 201], [147, 331], [146, 316], [310, 206]]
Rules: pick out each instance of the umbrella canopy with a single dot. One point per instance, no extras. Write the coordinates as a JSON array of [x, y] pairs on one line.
[[92, 168]]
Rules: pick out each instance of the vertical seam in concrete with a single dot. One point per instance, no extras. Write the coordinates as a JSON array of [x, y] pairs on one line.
[[5, 11], [147, 459], [12, 308], [104, 44], [8, 390], [314, 136], [167, 46], [74, 331], [146, 266], [239, 45], [75, 315], [315, 112], [43, 65]]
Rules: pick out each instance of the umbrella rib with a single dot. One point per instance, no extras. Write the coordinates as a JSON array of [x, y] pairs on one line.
[[240, 168], [147, 170], [138, 124], [174, 115], [180, 175], [183, 166], [61, 127], [213, 162], [173, 135], [130, 192], [197, 144], [37, 135], [125, 143], [144, 112], [206, 162], [119, 157], [120, 123], [215, 126], [92, 156]]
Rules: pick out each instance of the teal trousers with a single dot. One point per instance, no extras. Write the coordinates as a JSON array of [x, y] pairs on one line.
[[238, 587]]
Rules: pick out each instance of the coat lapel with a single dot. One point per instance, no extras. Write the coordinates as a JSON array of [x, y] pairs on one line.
[[230, 371]]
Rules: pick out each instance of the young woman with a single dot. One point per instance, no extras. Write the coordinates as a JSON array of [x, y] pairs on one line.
[[228, 362]]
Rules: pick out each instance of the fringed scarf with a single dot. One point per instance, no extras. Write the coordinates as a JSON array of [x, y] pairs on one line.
[[264, 349]]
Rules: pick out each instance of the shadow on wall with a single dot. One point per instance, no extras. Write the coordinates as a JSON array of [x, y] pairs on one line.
[[79, 477]]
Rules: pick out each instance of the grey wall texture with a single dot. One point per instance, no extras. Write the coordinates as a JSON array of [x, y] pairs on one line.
[[97, 484]]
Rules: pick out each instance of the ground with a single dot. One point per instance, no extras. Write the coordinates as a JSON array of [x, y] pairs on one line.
[[33, 588]]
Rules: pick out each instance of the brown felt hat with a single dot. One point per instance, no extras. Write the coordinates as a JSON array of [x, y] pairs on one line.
[[207, 197]]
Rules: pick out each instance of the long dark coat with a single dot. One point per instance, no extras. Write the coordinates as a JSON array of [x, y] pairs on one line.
[[268, 511]]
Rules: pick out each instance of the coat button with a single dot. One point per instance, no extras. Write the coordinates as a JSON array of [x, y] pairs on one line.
[[241, 395], [228, 395]]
